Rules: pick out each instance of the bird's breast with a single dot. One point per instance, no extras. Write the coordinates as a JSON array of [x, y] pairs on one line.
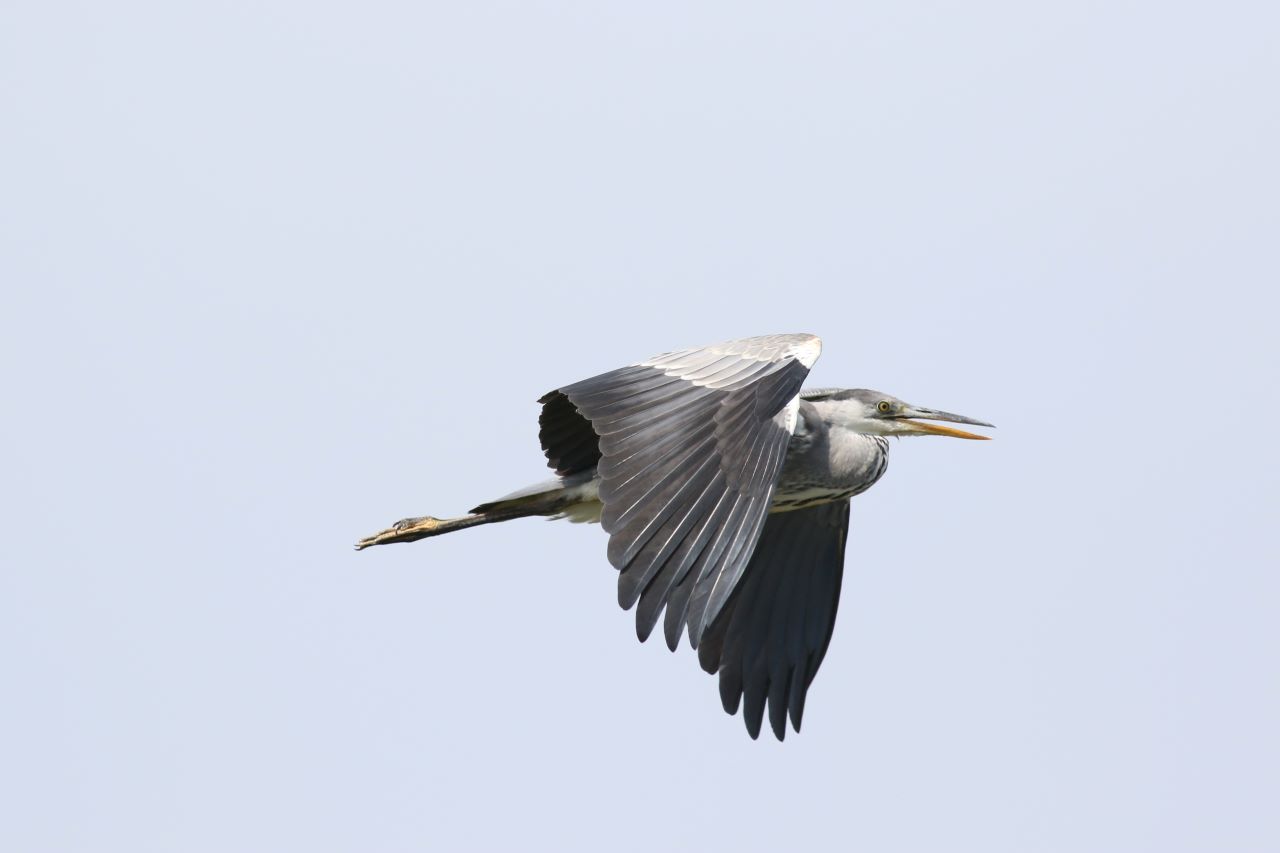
[[800, 496]]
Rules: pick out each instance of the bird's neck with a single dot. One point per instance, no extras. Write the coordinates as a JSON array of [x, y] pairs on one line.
[[853, 454]]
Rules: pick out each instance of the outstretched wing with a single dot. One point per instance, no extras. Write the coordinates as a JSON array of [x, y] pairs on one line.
[[769, 640], [687, 446]]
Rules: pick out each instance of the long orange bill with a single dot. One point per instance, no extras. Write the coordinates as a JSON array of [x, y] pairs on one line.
[[936, 429]]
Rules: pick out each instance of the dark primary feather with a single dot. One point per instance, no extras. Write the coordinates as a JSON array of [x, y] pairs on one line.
[[769, 640], [687, 472]]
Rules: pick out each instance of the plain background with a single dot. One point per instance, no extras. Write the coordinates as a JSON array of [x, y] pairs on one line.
[[277, 274]]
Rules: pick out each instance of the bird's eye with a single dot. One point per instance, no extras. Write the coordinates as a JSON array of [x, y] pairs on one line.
[[884, 407]]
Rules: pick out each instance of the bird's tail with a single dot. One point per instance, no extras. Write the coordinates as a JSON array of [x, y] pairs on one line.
[[552, 498]]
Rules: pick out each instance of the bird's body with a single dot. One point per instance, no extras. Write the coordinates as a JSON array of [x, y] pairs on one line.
[[725, 490], [824, 463]]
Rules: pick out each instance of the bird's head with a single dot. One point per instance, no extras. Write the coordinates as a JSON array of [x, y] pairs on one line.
[[875, 413]]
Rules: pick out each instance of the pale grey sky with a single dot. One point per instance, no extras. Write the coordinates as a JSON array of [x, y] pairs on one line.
[[276, 274]]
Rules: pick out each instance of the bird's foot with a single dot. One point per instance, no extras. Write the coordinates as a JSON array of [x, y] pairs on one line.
[[404, 530]]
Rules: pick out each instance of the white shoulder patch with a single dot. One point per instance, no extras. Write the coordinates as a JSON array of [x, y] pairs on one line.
[[790, 415]]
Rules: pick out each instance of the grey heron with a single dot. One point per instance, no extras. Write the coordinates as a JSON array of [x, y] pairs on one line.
[[724, 488]]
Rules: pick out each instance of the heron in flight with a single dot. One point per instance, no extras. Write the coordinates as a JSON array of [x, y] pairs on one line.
[[725, 490]]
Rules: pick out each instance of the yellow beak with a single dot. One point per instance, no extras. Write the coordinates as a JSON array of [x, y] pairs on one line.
[[937, 429]]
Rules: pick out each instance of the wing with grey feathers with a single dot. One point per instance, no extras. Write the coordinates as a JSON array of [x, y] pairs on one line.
[[687, 446], [769, 640]]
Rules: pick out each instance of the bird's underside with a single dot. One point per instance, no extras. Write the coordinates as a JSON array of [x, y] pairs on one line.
[[681, 456]]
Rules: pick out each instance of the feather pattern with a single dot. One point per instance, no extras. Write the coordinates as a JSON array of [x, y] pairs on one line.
[[687, 448]]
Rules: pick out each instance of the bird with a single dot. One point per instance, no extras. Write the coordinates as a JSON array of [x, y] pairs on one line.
[[724, 487]]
